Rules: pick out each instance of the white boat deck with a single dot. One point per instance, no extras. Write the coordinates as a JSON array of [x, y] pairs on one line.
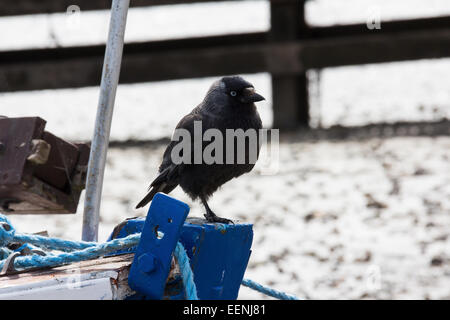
[[99, 279]]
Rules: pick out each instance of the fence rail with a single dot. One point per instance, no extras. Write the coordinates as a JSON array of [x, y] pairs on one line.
[[286, 51], [22, 7]]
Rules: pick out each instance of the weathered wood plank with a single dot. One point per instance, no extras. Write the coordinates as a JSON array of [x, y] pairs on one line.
[[99, 279], [212, 56], [151, 61], [22, 7], [411, 25], [39, 172], [115, 263], [354, 50]]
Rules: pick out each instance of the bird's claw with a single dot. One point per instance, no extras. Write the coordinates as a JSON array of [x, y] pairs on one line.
[[214, 218]]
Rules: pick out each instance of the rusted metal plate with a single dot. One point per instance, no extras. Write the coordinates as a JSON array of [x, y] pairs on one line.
[[61, 162], [39, 172], [16, 135]]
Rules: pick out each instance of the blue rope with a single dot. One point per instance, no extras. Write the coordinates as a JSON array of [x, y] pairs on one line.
[[48, 243], [83, 251], [52, 243], [95, 251], [5, 235], [267, 291], [76, 251], [186, 272]]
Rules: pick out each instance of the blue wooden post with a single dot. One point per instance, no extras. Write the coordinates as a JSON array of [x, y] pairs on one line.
[[218, 253], [160, 234]]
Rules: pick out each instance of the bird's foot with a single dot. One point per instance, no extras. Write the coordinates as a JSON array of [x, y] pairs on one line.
[[211, 217]]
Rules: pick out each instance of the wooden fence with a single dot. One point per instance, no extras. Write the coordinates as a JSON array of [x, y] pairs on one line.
[[286, 51]]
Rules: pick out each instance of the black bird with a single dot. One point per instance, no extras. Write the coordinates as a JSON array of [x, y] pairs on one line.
[[228, 104]]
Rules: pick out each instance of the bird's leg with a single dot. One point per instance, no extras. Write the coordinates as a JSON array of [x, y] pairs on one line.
[[211, 216]]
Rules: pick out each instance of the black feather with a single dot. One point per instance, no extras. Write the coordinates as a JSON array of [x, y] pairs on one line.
[[219, 110]]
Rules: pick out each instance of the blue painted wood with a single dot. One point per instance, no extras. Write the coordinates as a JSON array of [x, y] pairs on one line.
[[130, 226], [162, 229], [218, 254]]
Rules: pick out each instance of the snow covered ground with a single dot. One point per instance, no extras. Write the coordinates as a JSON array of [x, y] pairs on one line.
[[340, 220], [346, 219]]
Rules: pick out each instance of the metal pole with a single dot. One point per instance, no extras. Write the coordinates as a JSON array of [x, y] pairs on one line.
[[99, 147]]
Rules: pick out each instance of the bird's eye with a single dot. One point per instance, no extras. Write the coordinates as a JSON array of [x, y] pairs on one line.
[[233, 93]]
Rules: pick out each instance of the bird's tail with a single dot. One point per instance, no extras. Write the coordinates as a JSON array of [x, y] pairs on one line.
[[150, 194], [164, 182]]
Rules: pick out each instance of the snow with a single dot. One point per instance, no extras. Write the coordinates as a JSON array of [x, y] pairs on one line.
[[325, 224]]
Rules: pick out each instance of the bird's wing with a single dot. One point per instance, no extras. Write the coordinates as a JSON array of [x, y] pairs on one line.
[[187, 123], [169, 172]]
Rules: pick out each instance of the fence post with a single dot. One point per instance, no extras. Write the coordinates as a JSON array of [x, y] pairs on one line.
[[290, 92]]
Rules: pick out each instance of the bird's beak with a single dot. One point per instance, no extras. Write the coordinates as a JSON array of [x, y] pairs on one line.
[[249, 95]]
